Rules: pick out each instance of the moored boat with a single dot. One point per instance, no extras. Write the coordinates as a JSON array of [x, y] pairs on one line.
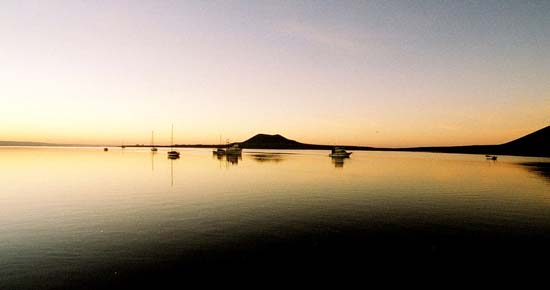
[[338, 152], [491, 157], [219, 151], [173, 154], [234, 150]]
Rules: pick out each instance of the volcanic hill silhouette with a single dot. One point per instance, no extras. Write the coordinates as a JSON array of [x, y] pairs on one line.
[[265, 141], [534, 144]]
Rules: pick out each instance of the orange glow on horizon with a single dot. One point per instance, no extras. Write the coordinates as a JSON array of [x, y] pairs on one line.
[[90, 73]]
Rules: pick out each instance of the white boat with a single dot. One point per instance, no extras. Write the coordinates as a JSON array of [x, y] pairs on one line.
[[338, 152], [153, 148], [234, 150], [172, 154], [219, 151]]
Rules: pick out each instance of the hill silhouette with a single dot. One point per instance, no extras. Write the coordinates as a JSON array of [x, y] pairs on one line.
[[534, 144], [265, 141], [26, 143], [537, 142], [269, 140]]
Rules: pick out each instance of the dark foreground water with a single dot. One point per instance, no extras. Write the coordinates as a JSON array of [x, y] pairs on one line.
[[81, 218]]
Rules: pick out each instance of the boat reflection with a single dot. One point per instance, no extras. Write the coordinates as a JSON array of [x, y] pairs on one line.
[[173, 156], [268, 157], [172, 172], [218, 156], [228, 158], [233, 158], [153, 160], [338, 161]]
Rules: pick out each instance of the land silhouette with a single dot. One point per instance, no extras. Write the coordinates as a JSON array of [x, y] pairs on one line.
[[534, 144], [25, 143]]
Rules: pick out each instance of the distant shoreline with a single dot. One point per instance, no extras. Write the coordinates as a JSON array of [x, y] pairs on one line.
[[450, 150], [473, 149], [536, 144]]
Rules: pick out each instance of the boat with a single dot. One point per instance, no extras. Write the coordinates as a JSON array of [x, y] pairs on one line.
[[491, 157], [105, 149], [339, 152], [153, 148], [234, 150], [172, 154], [219, 151]]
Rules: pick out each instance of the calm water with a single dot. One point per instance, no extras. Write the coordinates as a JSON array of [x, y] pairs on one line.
[[75, 217]]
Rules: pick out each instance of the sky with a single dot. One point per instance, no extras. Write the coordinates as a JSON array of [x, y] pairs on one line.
[[374, 73]]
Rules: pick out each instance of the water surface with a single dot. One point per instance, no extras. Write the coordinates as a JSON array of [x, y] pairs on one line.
[[75, 217]]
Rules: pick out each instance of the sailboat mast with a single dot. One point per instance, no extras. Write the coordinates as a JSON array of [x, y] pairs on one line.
[[172, 137]]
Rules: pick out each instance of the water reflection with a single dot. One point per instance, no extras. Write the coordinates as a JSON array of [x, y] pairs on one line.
[[540, 168], [233, 158], [172, 172], [338, 161], [228, 158], [84, 214], [268, 157], [153, 160]]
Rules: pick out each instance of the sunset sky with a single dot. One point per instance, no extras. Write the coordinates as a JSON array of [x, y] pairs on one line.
[[375, 73]]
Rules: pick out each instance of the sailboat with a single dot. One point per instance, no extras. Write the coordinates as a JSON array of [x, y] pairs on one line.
[[172, 154], [153, 148], [219, 151]]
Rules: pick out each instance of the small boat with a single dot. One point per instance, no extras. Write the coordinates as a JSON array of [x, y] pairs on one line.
[[105, 149], [153, 148], [234, 150], [491, 157], [338, 152], [219, 151], [172, 154]]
